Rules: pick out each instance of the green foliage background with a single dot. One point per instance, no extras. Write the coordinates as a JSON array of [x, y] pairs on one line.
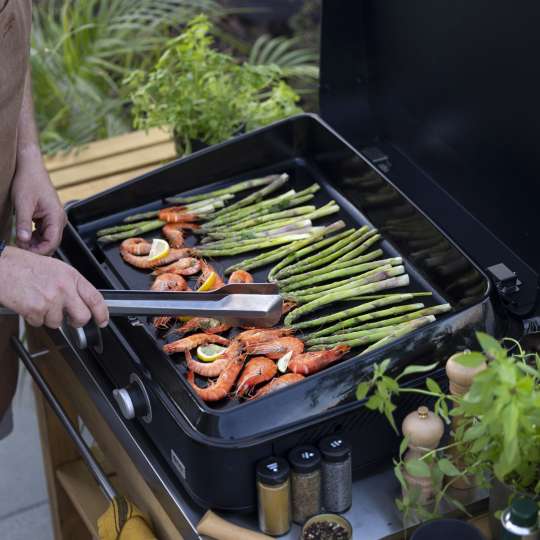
[[83, 50]]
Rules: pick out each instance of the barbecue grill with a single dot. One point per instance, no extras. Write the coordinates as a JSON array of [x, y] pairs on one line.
[[401, 140]]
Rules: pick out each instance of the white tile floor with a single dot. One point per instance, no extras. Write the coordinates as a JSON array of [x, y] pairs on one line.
[[24, 508]]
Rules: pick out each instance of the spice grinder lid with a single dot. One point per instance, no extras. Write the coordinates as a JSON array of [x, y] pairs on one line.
[[524, 512], [273, 471], [335, 449], [304, 459]]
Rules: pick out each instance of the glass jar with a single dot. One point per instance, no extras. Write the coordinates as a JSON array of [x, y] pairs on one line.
[[273, 496], [305, 483], [336, 474]]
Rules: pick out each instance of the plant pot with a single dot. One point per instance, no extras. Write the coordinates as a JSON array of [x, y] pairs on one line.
[[447, 529], [499, 499]]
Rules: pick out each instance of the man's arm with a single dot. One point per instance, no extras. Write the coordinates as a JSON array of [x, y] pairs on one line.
[[34, 197]]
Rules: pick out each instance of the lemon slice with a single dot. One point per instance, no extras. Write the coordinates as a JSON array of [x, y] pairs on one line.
[[209, 283], [160, 249], [283, 362], [209, 353]]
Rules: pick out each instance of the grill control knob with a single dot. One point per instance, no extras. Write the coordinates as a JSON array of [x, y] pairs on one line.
[[83, 338], [133, 400]]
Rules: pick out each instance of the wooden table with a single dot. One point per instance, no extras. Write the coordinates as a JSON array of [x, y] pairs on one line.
[[76, 502]]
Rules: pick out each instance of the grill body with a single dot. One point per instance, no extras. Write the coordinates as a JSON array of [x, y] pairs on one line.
[[213, 450]]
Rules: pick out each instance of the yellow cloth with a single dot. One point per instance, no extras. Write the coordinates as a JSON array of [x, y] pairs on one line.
[[124, 521]]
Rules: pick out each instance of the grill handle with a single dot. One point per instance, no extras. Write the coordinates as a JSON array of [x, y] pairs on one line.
[[93, 465]]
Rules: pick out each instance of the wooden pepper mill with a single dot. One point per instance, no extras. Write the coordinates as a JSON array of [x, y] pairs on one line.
[[424, 430], [461, 379]]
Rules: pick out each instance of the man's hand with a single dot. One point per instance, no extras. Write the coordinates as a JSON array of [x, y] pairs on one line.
[[35, 200], [44, 290]]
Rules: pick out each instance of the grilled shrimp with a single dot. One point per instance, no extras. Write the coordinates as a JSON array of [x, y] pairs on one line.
[[174, 232], [177, 214], [279, 382], [143, 262], [258, 370], [257, 336], [276, 348], [311, 362], [206, 270], [188, 343], [167, 282], [224, 383], [214, 369], [240, 276], [210, 326], [135, 246], [187, 266]]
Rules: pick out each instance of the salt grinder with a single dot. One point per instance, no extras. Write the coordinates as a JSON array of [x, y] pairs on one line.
[[424, 430]]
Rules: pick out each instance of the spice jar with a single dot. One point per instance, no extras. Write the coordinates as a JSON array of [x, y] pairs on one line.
[[305, 482], [273, 495], [336, 474]]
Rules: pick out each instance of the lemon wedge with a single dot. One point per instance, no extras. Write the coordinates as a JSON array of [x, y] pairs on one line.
[[283, 362], [209, 283], [160, 249], [209, 353]]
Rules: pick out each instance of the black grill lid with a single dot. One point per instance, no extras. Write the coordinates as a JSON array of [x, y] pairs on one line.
[[449, 92]]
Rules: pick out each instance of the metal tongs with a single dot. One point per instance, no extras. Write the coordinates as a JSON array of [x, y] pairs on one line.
[[257, 304]]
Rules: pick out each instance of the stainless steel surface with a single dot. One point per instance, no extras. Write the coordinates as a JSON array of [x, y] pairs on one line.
[[93, 465], [237, 304]]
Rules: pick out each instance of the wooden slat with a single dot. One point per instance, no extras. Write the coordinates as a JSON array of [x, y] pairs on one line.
[[84, 493], [82, 191], [108, 147], [79, 174]]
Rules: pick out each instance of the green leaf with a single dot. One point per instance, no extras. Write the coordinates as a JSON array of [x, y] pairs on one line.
[[490, 346], [374, 402], [403, 446], [417, 467], [448, 468], [432, 386], [410, 370], [470, 359], [362, 390]]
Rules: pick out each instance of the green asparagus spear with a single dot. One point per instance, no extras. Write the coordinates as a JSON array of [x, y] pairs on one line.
[[131, 233], [400, 281], [372, 255], [281, 202], [272, 256], [392, 312], [141, 216], [294, 260], [349, 333], [380, 302], [235, 188], [297, 255], [372, 276], [274, 216], [371, 337], [361, 241], [123, 228], [400, 332], [256, 196], [330, 341], [331, 274], [363, 298]]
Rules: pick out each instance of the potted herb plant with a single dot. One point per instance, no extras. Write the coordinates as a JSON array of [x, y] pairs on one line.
[[206, 95], [497, 439]]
